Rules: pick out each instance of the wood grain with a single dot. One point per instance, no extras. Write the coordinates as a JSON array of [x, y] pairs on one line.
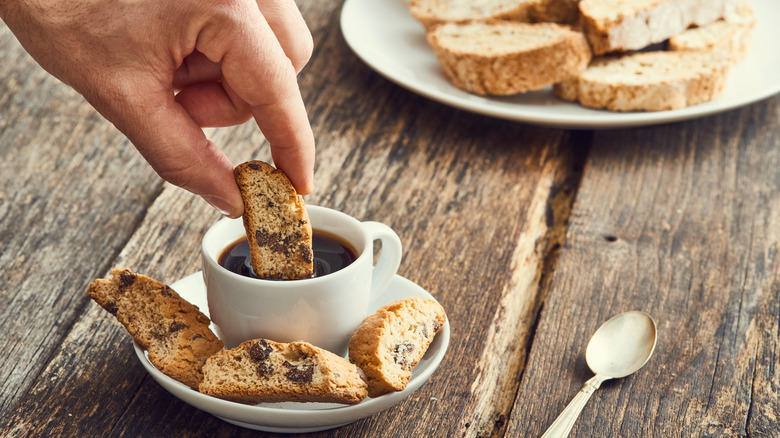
[[680, 221], [468, 196], [530, 237], [72, 191]]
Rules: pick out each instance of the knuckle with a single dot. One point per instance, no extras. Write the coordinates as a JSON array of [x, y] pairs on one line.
[[179, 175], [280, 86], [301, 50]]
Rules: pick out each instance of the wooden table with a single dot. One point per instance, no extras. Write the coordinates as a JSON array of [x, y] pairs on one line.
[[530, 237]]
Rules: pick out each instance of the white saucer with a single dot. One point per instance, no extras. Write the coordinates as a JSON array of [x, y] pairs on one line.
[[300, 417]]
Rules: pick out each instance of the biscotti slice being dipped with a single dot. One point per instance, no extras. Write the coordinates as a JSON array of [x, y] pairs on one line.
[[431, 12], [624, 25], [175, 333], [731, 35], [261, 370], [503, 58], [276, 222], [391, 342], [648, 81]]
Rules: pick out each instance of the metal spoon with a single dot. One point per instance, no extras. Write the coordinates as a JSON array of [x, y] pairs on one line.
[[621, 346]]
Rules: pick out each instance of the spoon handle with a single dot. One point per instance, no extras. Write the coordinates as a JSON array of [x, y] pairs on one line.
[[565, 421]]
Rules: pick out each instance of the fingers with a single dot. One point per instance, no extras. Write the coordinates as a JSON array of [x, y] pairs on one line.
[[290, 29], [182, 155], [195, 68], [209, 101], [213, 104], [170, 140], [260, 73], [252, 51]]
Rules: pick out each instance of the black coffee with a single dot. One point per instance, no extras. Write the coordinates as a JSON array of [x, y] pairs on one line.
[[331, 253]]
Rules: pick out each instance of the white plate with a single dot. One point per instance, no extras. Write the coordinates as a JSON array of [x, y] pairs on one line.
[[300, 417], [384, 35]]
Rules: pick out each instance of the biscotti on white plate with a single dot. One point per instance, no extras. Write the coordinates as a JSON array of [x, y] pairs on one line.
[[732, 35], [431, 12], [623, 25], [556, 11], [505, 58], [649, 81]]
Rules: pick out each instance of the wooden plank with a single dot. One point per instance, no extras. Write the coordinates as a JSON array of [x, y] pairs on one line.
[[682, 221], [71, 193], [467, 194], [427, 237]]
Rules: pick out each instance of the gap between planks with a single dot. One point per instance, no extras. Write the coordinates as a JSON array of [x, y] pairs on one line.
[[511, 332]]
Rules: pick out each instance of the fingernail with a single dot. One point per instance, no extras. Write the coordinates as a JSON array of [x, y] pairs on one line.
[[220, 204]]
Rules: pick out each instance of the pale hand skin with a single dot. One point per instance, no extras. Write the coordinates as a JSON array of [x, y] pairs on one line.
[[229, 61]]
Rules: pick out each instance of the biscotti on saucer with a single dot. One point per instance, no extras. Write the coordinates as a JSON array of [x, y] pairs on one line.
[[175, 333], [276, 222], [391, 342], [261, 370], [648, 81], [505, 58]]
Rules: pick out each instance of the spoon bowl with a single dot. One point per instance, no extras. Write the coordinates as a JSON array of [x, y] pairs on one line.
[[621, 346]]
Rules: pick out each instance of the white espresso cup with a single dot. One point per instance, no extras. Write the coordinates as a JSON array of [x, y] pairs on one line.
[[323, 310]]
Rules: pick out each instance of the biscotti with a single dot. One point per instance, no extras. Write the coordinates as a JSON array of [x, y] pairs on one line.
[[503, 58], [650, 81], [623, 25], [556, 11], [277, 225], [391, 342], [260, 371], [431, 12], [175, 333], [731, 35]]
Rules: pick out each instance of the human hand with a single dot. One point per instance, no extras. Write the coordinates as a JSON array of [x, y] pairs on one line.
[[229, 60]]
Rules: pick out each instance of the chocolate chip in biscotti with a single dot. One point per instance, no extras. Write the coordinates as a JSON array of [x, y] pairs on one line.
[[276, 221], [264, 369], [392, 341], [126, 279], [402, 354], [176, 326], [260, 371], [260, 350], [303, 373]]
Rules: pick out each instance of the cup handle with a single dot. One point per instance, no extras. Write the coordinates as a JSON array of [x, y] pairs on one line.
[[389, 258]]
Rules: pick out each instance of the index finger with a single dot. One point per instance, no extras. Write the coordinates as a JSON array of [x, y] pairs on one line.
[[257, 70]]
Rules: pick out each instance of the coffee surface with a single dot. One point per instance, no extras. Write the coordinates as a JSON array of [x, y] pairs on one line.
[[331, 253]]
